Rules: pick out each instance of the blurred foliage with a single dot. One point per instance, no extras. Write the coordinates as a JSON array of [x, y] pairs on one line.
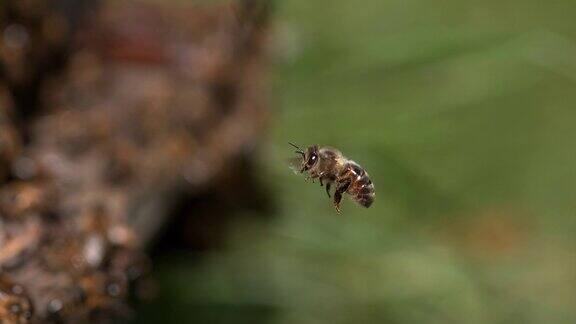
[[463, 114]]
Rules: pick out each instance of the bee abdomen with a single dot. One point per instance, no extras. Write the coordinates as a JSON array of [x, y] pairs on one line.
[[364, 191], [365, 200]]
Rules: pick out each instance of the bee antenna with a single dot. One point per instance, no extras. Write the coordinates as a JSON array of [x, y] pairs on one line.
[[296, 146], [298, 149]]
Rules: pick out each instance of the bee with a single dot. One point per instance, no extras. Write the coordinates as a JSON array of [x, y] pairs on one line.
[[331, 167], [19, 198], [15, 306]]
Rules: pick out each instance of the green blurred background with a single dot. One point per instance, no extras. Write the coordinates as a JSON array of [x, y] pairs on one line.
[[463, 114]]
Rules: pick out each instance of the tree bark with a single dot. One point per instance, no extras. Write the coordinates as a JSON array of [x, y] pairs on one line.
[[103, 121]]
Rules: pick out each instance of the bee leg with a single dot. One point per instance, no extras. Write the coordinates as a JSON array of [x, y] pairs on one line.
[[320, 177], [328, 189], [312, 176], [340, 189], [337, 199]]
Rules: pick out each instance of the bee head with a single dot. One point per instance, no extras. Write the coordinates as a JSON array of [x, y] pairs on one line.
[[309, 158]]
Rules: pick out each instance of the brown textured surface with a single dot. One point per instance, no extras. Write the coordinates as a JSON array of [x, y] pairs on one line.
[[139, 102]]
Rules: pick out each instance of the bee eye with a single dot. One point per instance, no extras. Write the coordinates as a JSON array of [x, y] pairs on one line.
[[312, 159]]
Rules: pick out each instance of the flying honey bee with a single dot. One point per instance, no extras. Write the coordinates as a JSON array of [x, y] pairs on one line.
[[329, 166]]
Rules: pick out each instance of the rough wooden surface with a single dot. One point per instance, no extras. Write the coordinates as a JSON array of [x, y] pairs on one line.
[[101, 123]]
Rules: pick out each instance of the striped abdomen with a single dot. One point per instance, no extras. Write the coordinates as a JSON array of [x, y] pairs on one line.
[[361, 188]]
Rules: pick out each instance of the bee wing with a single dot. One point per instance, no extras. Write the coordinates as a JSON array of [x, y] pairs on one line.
[[294, 163]]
